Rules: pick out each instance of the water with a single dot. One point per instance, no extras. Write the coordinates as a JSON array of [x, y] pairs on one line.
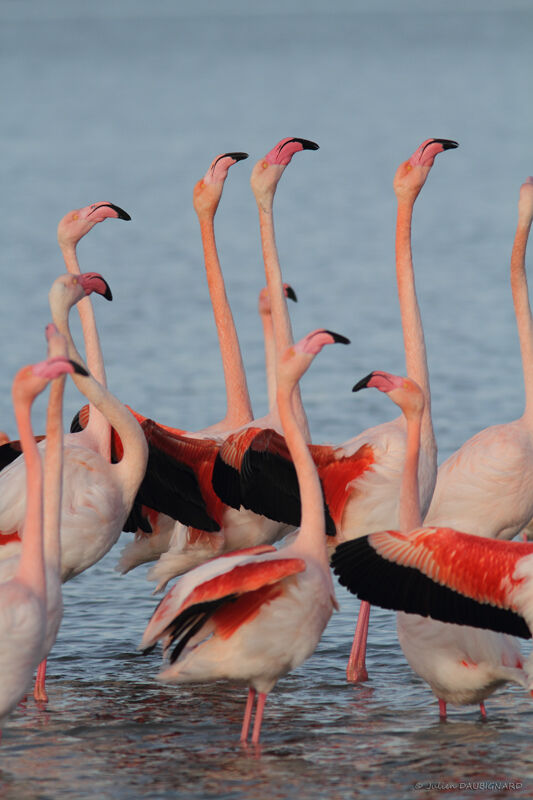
[[129, 102]]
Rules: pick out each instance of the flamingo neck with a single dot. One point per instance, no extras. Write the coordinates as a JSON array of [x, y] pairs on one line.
[[30, 568], [283, 336], [311, 538], [131, 468], [413, 332], [410, 516], [239, 408], [97, 425], [522, 308], [53, 472], [270, 359]]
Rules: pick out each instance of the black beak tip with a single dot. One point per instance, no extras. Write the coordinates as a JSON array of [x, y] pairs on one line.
[[363, 383], [448, 144], [307, 144], [291, 294], [237, 156], [338, 338], [78, 369], [107, 293], [120, 212]]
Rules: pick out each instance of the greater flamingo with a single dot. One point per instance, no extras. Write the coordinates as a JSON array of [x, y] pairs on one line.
[[361, 478], [227, 474], [164, 530], [52, 488], [253, 616], [486, 487], [97, 495], [23, 596], [462, 665], [444, 574], [70, 230]]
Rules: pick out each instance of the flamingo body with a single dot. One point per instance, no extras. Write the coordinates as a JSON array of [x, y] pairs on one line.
[[462, 665], [254, 616]]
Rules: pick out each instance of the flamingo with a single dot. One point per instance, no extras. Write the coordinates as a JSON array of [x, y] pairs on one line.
[[462, 665], [486, 487], [444, 574], [53, 477], [163, 529], [253, 616], [361, 478], [70, 230], [97, 495], [227, 473], [23, 597]]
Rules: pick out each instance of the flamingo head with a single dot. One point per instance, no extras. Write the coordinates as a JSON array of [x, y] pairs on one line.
[[268, 170], [208, 190], [411, 175], [69, 289], [77, 223], [264, 298], [525, 202], [297, 358], [31, 380], [405, 392]]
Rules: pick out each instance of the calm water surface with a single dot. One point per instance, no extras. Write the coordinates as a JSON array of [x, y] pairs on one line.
[[129, 102]]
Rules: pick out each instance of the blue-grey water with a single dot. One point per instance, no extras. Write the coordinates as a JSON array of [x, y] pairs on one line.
[[129, 101]]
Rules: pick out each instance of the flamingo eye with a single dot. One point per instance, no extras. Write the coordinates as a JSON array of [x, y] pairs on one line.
[[75, 216]]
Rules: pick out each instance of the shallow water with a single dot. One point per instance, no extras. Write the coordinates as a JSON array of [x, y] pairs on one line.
[[129, 102]]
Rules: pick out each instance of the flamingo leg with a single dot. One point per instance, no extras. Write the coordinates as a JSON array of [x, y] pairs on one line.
[[39, 690], [247, 714], [261, 697], [483, 710], [356, 669], [442, 709]]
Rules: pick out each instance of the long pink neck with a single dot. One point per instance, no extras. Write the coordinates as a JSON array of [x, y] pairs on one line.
[[97, 425], [53, 471], [523, 310], [413, 332], [280, 313], [270, 359], [239, 408], [131, 468], [30, 568], [410, 516], [311, 539]]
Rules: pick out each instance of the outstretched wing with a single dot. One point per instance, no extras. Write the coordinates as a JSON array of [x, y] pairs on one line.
[[439, 573]]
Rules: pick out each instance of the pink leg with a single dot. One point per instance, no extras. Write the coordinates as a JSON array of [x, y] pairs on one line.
[[483, 710], [39, 690], [356, 669], [247, 714], [261, 697], [442, 709]]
